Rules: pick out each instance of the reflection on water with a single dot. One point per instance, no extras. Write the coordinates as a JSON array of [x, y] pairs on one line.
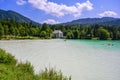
[[82, 59]]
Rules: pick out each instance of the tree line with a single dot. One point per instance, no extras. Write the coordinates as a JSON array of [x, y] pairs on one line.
[[11, 29], [95, 31]]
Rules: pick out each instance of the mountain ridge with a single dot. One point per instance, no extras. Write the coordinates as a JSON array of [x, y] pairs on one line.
[[9, 14], [90, 21]]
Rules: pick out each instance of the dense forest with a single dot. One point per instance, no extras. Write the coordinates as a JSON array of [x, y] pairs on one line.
[[90, 32], [10, 29]]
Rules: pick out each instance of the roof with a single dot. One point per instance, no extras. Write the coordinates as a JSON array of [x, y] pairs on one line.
[[57, 31]]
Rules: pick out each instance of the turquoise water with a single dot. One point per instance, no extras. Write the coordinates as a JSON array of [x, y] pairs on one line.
[[82, 59]]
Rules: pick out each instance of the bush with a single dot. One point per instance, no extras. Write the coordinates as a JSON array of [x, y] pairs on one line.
[[103, 34], [51, 74], [24, 71], [26, 67], [6, 58]]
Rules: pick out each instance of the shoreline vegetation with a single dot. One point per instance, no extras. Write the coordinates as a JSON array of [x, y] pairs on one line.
[[10, 69], [10, 29]]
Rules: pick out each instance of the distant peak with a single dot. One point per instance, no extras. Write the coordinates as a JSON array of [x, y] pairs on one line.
[[108, 17]]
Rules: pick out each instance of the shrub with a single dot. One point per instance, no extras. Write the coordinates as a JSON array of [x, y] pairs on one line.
[[6, 58], [25, 67], [52, 74], [24, 71]]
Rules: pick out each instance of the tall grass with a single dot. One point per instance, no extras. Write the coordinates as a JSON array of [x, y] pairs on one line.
[[10, 69]]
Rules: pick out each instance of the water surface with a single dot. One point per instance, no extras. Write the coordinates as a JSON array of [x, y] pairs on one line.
[[82, 59]]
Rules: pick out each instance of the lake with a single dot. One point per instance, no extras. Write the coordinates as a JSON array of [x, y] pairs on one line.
[[82, 59]]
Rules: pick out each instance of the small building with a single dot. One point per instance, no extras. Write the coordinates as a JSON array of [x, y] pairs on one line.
[[57, 34]]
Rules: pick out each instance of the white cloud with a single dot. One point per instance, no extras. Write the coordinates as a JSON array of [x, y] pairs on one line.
[[21, 2], [51, 21], [61, 9], [108, 14]]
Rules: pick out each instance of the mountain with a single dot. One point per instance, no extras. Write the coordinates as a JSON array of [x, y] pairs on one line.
[[91, 21], [85, 21], [16, 16]]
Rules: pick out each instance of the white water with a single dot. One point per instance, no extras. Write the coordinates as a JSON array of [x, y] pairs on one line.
[[83, 60]]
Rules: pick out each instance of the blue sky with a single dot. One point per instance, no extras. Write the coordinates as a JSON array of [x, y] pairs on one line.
[[56, 11]]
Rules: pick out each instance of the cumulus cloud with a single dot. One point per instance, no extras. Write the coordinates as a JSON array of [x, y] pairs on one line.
[[51, 21], [21, 2], [61, 9], [108, 14]]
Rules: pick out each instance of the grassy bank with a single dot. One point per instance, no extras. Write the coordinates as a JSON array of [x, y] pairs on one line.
[[10, 69]]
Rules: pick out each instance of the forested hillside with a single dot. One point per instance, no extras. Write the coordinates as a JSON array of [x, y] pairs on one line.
[[15, 26], [91, 21], [16, 16], [95, 31], [10, 29]]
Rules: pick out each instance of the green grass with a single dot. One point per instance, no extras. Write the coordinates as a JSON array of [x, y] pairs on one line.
[[8, 37], [10, 69]]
